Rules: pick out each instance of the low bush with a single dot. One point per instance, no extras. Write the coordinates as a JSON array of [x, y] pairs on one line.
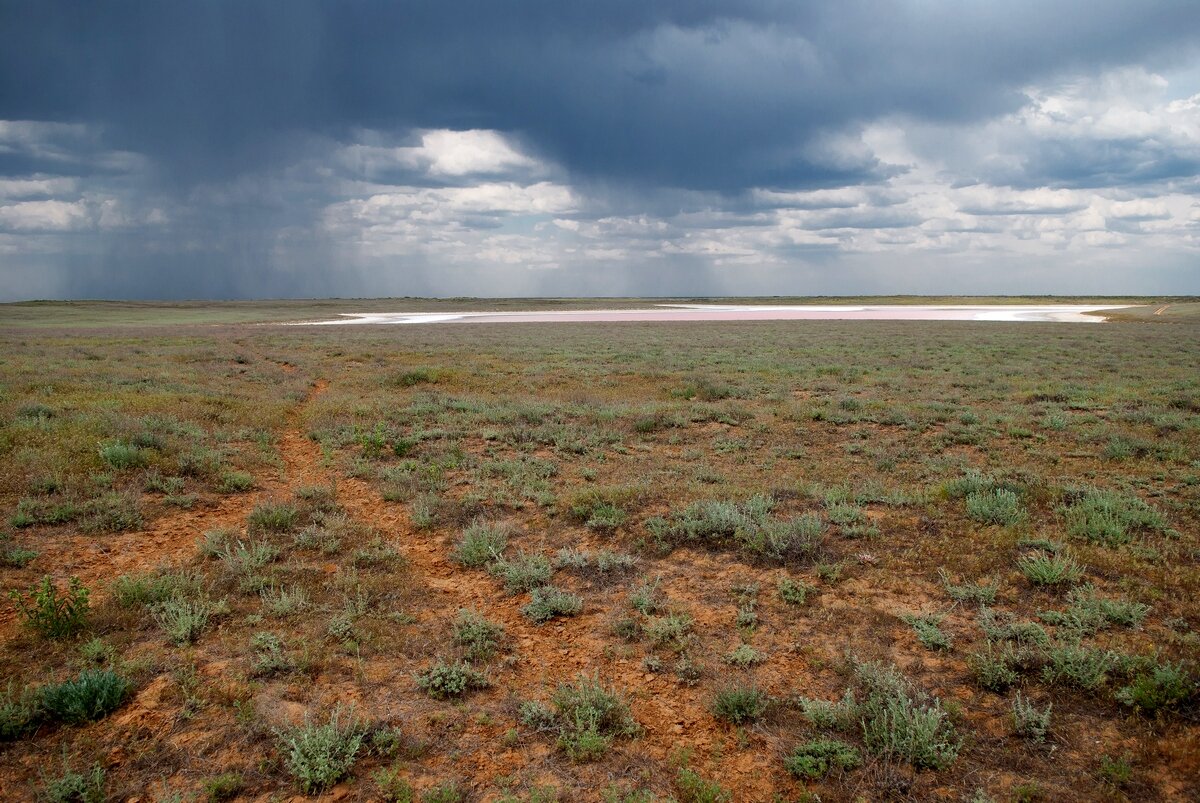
[[76, 787], [522, 573], [480, 544], [478, 638], [738, 704], [317, 756], [273, 517], [444, 680], [816, 759], [588, 716], [996, 506], [547, 602], [1160, 687], [694, 789], [1108, 518], [1045, 569], [928, 631], [1028, 720], [94, 694]]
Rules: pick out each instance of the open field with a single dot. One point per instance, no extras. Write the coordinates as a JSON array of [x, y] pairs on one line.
[[694, 561]]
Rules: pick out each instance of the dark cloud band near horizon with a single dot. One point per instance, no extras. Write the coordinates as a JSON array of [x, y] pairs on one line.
[[252, 149]]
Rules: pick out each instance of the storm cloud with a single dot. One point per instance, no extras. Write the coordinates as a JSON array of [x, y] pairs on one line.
[[250, 149]]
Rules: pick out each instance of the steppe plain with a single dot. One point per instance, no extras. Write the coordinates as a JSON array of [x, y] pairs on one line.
[[699, 561]]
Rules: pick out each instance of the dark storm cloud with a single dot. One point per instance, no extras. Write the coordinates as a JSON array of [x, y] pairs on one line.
[[703, 94], [262, 140]]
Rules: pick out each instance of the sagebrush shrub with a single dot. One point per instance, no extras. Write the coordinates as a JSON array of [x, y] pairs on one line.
[[738, 704], [92, 695], [481, 543], [317, 756]]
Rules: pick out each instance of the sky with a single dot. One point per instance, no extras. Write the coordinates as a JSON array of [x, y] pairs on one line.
[[354, 148]]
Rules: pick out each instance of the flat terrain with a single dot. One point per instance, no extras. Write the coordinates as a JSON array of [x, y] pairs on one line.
[[698, 561]]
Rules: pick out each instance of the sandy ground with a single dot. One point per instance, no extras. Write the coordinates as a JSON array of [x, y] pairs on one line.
[[711, 312]]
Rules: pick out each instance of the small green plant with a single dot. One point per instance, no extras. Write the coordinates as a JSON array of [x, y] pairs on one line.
[[694, 789], [92, 695], [225, 786], [647, 598], [273, 517], [589, 715], [993, 668], [1028, 720], [1117, 771], [19, 711], [794, 592], [1108, 518], [817, 758], [51, 613], [283, 602], [150, 589], [245, 559], [76, 787], [901, 721], [548, 602], [1076, 665], [841, 715], [444, 680], [478, 638], [928, 631], [392, 787], [1045, 569], [121, 455], [182, 619], [235, 482], [317, 756], [480, 544], [738, 704], [1162, 686], [672, 629], [1004, 626], [522, 573], [744, 656], [269, 658], [445, 792], [606, 517], [829, 571], [980, 593], [996, 506]]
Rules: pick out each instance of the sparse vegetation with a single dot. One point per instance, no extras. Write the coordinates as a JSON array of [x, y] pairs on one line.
[[260, 541]]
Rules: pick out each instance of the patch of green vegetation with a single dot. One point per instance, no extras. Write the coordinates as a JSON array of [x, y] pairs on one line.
[[1028, 720], [478, 638], [587, 716], [818, 758], [1107, 517], [319, 755], [92, 695], [53, 613], [481, 543], [444, 680], [738, 704], [547, 602], [929, 632]]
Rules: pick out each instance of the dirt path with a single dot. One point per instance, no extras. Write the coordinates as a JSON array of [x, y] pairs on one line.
[[544, 655], [1161, 309]]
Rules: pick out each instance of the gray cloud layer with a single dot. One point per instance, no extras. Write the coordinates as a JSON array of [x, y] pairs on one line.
[[313, 148]]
